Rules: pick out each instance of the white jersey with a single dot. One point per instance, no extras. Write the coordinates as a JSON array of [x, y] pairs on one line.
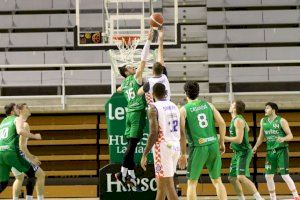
[[166, 150], [162, 79], [168, 120]]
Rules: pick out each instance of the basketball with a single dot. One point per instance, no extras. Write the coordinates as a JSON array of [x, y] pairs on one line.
[[156, 19]]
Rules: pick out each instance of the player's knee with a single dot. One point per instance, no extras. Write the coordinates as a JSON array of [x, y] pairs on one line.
[[269, 177], [192, 183], [216, 181], [241, 178], [20, 177], [40, 174], [232, 179], [286, 177], [3, 185]]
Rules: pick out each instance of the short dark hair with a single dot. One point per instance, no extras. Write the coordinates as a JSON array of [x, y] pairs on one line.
[[158, 68], [191, 88], [159, 90], [122, 71], [272, 105], [240, 107], [9, 108], [20, 106]]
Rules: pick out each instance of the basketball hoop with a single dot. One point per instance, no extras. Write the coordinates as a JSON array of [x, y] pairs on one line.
[[127, 46], [127, 53]]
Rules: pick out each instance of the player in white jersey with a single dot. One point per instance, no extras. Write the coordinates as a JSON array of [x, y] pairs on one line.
[[24, 113], [164, 140], [159, 74]]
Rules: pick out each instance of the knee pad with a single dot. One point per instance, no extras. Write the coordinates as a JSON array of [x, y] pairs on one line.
[[3, 185], [30, 181], [30, 185], [30, 173]]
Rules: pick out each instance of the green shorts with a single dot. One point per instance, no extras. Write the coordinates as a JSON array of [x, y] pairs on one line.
[[277, 160], [240, 163], [9, 159], [209, 156], [135, 124]]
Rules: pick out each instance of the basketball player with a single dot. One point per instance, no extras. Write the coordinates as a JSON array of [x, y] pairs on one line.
[[277, 132], [135, 116], [239, 138], [164, 135], [159, 73], [198, 118], [10, 129], [24, 113]]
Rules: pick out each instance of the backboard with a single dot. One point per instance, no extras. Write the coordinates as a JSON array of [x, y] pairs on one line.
[[97, 21]]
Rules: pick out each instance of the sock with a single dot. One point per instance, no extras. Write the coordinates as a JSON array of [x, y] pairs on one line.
[[257, 196], [131, 173], [40, 197], [273, 196], [29, 197], [289, 181], [242, 197], [295, 193], [124, 171]]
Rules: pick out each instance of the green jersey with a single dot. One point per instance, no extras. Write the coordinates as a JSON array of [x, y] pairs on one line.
[[200, 123], [130, 88], [9, 139], [245, 145], [273, 130]]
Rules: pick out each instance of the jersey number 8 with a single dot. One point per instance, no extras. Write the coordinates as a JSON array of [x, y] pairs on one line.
[[202, 120]]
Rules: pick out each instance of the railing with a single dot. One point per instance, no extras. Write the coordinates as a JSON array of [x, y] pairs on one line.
[[226, 96]]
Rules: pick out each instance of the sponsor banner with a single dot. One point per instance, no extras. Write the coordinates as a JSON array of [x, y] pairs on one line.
[[111, 189], [115, 110]]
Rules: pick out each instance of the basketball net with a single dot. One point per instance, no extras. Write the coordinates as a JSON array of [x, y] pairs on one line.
[[128, 54]]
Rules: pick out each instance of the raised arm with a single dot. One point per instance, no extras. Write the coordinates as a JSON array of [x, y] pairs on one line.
[[239, 129], [286, 128], [160, 53], [139, 71], [153, 124], [260, 138]]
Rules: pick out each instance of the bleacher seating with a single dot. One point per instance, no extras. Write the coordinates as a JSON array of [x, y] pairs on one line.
[[253, 31]]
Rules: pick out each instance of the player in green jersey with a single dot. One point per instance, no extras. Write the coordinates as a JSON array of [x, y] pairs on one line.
[[135, 114], [277, 133], [239, 138], [10, 129], [197, 119]]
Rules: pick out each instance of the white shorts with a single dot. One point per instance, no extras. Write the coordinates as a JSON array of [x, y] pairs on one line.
[[17, 173], [166, 155]]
